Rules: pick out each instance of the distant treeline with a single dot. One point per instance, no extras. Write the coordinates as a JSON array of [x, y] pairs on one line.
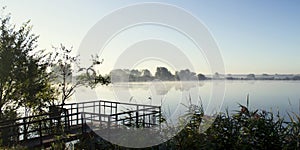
[[163, 74]]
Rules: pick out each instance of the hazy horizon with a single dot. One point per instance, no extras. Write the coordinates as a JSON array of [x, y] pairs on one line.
[[226, 73]]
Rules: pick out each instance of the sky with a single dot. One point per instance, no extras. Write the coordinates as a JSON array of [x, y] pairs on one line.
[[253, 36]]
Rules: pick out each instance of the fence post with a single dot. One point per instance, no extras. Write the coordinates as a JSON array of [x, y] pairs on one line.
[[83, 123], [109, 121], [25, 130], [82, 107], [71, 114], [144, 117], [94, 107], [116, 112], [111, 108], [116, 119], [116, 109], [159, 117], [137, 116], [77, 122], [104, 108], [40, 131], [100, 111]]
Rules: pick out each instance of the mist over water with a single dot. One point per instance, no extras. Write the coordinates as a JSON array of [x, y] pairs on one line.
[[174, 96]]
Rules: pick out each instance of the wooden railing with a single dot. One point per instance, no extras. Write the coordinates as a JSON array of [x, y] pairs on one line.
[[39, 128], [73, 118], [108, 113]]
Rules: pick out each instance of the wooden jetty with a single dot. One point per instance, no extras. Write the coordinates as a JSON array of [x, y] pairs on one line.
[[69, 122]]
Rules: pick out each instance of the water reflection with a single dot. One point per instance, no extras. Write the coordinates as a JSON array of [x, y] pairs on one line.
[[263, 94], [159, 88]]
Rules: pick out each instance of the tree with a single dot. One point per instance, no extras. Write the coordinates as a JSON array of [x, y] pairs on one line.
[[251, 77], [201, 76], [146, 73], [134, 75], [24, 81], [163, 74], [216, 76], [185, 75], [23, 77], [61, 63], [65, 73], [296, 77], [36, 87]]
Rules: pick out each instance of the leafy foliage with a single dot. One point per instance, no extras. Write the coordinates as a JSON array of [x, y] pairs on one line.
[[24, 81], [33, 79], [67, 75]]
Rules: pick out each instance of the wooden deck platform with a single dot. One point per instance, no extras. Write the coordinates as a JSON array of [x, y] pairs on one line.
[[70, 121]]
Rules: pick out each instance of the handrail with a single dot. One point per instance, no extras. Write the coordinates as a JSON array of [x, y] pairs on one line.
[[103, 111], [36, 121], [29, 117], [107, 101]]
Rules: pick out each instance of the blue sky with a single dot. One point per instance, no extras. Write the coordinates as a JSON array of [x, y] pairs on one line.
[[253, 36]]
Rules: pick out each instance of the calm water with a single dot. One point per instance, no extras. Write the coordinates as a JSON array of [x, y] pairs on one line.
[[173, 96]]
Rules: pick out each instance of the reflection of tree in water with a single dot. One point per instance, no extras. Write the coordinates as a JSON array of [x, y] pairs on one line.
[[160, 88], [186, 86]]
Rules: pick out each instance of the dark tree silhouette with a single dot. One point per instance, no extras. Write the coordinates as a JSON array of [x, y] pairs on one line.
[[164, 74], [185, 75], [201, 77], [23, 77]]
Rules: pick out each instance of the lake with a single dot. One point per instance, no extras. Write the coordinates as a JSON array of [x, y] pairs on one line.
[[174, 96]]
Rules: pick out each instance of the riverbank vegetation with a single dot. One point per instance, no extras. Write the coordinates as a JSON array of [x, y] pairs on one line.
[[243, 129]]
